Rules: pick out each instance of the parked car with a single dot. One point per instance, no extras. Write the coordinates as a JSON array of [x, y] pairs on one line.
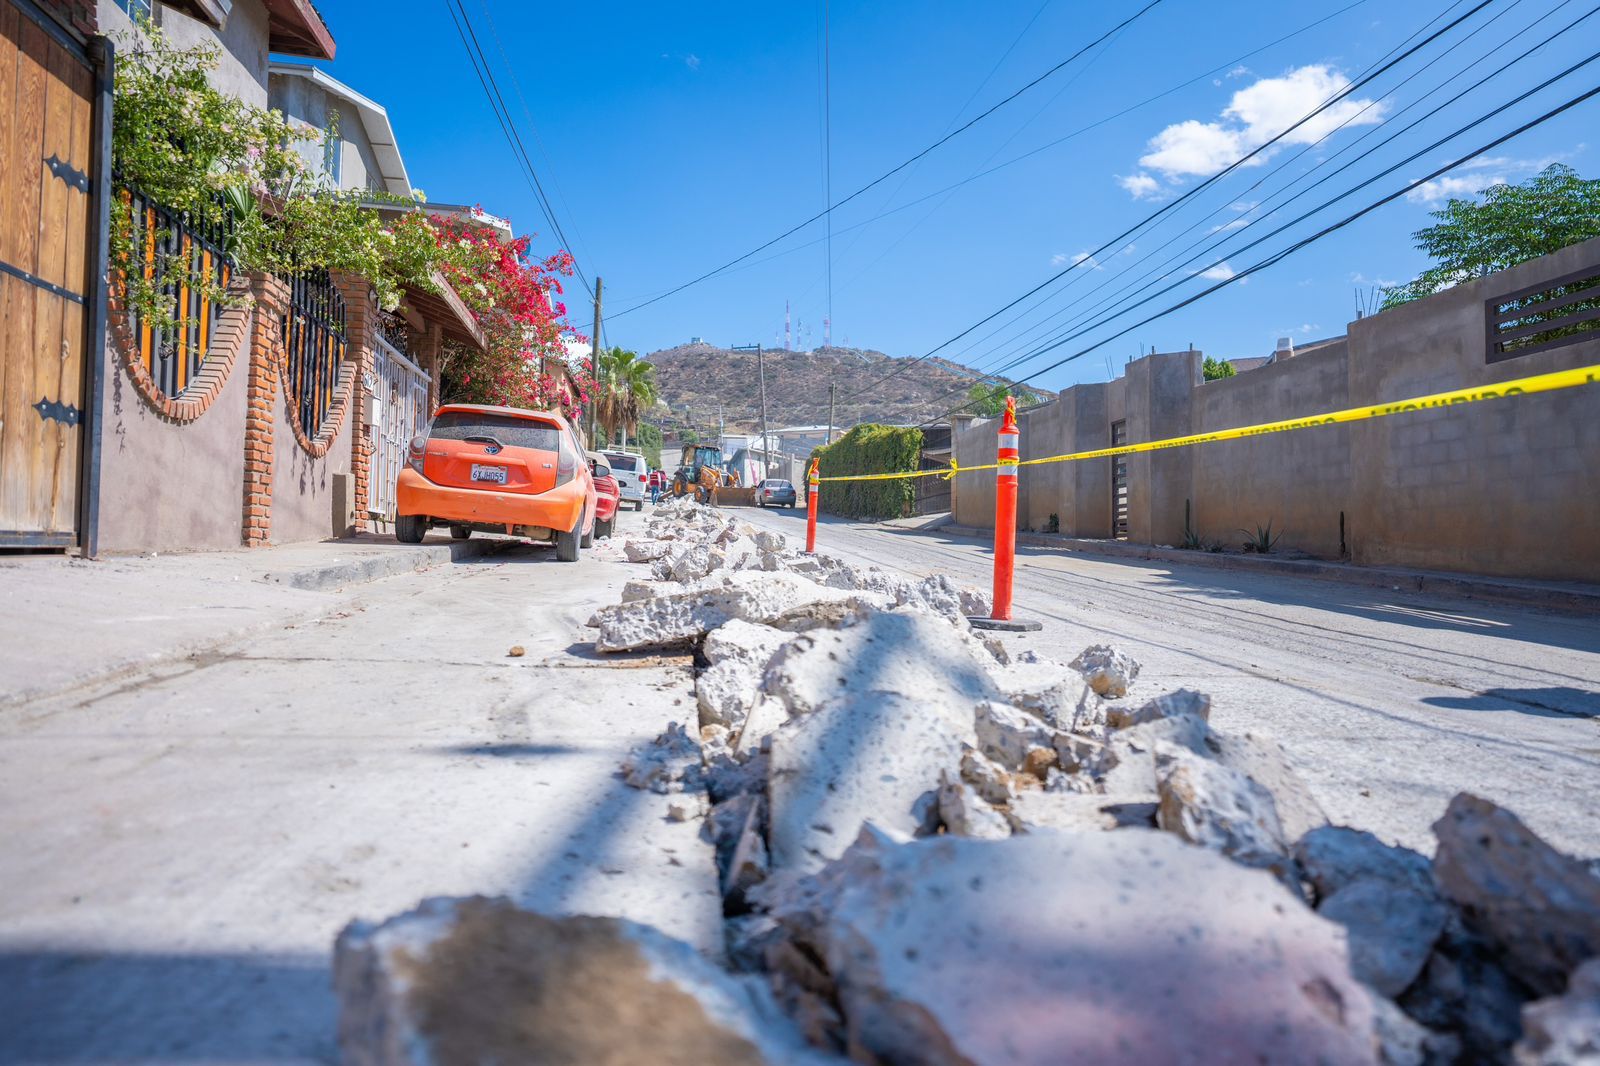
[[776, 492], [607, 495], [633, 474], [498, 470]]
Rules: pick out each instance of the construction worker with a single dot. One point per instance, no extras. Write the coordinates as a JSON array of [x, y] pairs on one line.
[[658, 482]]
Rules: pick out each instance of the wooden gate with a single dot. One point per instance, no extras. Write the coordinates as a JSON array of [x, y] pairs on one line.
[[47, 222]]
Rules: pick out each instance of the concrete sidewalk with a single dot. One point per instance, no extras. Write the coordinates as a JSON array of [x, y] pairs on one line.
[[68, 621]]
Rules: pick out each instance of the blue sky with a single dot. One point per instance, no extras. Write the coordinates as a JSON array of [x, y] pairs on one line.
[[673, 138]]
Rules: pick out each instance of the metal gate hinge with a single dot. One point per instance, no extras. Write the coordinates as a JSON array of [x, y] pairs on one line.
[[77, 179], [64, 413]]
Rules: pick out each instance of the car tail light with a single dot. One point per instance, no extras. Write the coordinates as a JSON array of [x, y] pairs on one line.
[[566, 462], [419, 445]]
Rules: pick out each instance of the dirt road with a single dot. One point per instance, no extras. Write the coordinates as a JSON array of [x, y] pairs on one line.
[[1391, 702]]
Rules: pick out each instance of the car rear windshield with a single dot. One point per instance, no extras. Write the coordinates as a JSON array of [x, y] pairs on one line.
[[509, 430], [776, 485], [624, 462]]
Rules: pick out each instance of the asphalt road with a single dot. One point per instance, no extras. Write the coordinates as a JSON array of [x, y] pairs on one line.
[[180, 846], [1390, 702]]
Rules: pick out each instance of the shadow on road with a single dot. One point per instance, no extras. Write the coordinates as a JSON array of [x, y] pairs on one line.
[[170, 1008], [1562, 702]]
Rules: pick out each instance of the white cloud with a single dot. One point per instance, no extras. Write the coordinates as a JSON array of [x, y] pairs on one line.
[[1238, 223], [1220, 272], [691, 61], [1359, 278], [1140, 185], [1079, 259], [1238, 72], [1255, 115], [1439, 190]]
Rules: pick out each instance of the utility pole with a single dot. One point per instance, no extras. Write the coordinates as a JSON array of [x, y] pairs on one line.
[[761, 374], [594, 367], [833, 393]]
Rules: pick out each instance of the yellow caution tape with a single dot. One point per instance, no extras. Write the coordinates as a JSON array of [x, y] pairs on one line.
[[1560, 379]]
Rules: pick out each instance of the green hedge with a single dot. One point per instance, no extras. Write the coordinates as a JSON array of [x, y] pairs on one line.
[[870, 449]]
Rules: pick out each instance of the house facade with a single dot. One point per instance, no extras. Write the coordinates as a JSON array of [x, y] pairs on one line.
[[277, 414]]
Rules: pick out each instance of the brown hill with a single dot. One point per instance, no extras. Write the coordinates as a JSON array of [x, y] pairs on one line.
[[702, 376]]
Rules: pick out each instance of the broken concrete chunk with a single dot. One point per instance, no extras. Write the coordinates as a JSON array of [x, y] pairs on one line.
[[1219, 808], [742, 641], [1537, 905], [1183, 701], [1108, 671], [991, 780], [738, 831], [1465, 991], [1031, 812], [1333, 856], [481, 980], [769, 541], [866, 755], [685, 616], [670, 763], [1564, 1030], [1053, 692], [1127, 763], [896, 653], [1135, 948], [1402, 1042], [1384, 897], [965, 813], [1006, 734], [1265, 761], [645, 551]]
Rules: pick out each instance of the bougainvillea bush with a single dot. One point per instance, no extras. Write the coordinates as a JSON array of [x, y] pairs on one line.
[[516, 300]]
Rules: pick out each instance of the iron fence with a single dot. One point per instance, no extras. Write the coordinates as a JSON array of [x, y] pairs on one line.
[[172, 250], [314, 345]]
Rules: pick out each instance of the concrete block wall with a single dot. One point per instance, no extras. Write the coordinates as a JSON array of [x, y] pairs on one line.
[[1500, 488]]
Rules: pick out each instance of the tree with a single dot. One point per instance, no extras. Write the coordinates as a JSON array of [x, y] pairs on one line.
[[989, 400], [625, 390], [648, 442], [1212, 369], [1512, 224]]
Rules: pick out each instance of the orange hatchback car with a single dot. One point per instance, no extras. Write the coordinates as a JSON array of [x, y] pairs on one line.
[[498, 470]]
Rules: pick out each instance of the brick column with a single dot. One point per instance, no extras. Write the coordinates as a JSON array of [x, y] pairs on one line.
[[271, 300], [361, 321]]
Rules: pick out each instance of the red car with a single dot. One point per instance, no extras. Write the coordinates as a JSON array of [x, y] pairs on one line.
[[499, 470], [608, 494]]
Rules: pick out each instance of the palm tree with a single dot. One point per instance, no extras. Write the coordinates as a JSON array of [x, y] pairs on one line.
[[626, 390]]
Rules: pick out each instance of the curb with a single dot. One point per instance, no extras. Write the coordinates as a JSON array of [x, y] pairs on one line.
[[1505, 590], [384, 564]]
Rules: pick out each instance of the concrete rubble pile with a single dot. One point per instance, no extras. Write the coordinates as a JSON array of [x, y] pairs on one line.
[[936, 848]]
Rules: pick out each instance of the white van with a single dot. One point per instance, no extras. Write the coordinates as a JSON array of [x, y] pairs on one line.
[[633, 476]]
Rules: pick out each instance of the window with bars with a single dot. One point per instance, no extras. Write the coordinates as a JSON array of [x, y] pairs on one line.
[[183, 258], [313, 346]]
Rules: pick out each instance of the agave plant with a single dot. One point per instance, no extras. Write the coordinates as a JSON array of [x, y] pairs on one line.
[[1262, 541]]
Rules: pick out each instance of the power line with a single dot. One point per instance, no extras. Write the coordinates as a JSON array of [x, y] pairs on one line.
[[827, 158], [1278, 257], [1223, 235], [895, 170], [1072, 332], [1192, 193], [1065, 137], [502, 114]]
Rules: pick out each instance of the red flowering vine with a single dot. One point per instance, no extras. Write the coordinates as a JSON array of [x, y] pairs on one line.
[[516, 300]]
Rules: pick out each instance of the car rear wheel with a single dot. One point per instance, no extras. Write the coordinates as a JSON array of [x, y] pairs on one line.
[[460, 532], [410, 528], [569, 545]]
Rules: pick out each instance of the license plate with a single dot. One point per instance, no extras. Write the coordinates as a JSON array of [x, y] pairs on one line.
[[497, 474]]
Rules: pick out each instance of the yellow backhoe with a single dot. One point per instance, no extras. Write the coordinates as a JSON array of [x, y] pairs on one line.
[[700, 472]]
